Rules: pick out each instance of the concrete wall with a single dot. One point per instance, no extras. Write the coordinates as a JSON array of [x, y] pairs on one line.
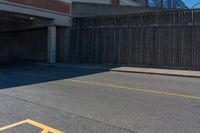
[[86, 9], [34, 9]]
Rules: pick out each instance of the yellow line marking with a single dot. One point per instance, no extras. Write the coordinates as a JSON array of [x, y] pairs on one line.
[[13, 125], [45, 129], [137, 89]]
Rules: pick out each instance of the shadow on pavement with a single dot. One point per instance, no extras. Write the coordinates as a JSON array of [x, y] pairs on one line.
[[13, 75]]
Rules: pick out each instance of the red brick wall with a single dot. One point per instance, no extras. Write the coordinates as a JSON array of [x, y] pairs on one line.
[[46, 4], [115, 2]]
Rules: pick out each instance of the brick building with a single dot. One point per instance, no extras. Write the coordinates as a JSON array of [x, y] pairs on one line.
[[24, 22]]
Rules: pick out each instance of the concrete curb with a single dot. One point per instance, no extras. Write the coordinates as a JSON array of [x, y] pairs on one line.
[[151, 73], [194, 74]]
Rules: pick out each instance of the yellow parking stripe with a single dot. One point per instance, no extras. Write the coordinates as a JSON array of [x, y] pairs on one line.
[[39, 125], [12, 125], [45, 129], [137, 89]]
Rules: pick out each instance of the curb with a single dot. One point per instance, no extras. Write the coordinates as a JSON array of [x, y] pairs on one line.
[[152, 73], [139, 72]]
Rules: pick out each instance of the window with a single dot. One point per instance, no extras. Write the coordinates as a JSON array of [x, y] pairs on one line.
[[151, 3], [165, 3]]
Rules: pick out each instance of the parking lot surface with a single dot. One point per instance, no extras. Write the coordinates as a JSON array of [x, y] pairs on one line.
[[47, 98]]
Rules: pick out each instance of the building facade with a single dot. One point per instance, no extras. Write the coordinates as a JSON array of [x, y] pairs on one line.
[[147, 3], [50, 16], [18, 16], [64, 6], [163, 3]]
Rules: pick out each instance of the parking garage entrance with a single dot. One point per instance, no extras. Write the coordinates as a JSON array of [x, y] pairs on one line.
[[23, 38]]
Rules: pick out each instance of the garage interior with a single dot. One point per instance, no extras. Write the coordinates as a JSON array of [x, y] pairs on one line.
[[23, 38]]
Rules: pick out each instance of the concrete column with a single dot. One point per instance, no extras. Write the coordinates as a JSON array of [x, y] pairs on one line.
[[51, 45]]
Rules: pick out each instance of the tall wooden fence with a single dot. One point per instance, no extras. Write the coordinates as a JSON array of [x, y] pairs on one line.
[[160, 39]]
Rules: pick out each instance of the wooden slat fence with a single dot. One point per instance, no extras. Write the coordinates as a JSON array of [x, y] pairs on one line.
[[168, 39]]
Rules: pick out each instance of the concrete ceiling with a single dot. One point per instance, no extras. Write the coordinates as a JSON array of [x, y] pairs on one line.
[[12, 21]]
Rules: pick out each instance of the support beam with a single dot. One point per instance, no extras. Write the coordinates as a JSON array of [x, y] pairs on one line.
[[51, 44]]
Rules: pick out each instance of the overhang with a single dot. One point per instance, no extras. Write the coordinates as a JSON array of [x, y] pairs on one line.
[[57, 18]]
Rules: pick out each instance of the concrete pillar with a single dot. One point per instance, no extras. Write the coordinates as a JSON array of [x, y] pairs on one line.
[[51, 45]]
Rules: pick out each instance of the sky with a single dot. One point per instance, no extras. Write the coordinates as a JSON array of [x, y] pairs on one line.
[[190, 3]]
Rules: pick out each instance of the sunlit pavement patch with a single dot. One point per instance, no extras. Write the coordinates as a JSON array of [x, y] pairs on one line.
[[44, 129]]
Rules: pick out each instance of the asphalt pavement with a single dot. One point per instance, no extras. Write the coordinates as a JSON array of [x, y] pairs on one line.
[[45, 98]]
